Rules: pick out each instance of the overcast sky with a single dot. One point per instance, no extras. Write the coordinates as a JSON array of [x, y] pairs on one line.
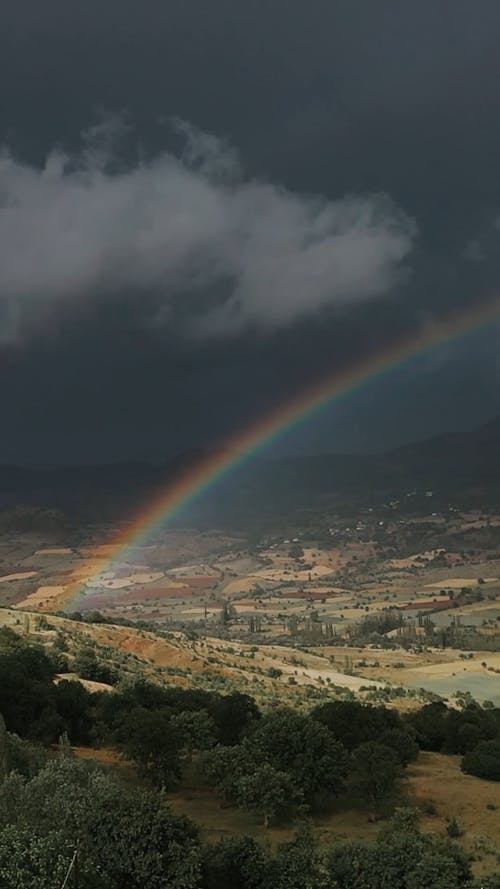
[[206, 205]]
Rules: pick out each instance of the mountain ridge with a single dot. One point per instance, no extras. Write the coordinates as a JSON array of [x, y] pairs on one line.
[[464, 462]]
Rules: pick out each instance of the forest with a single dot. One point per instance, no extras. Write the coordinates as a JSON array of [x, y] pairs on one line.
[[283, 764]]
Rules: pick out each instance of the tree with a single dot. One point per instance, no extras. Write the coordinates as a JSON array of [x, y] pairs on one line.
[[298, 865], [353, 723], [27, 690], [404, 820], [483, 761], [453, 830], [196, 729], [87, 665], [127, 839], [401, 743], [227, 613], [234, 863], [267, 791], [296, 552], [233, 715], [29, 861], [430, 725], [284, 743], [465, 728], [154, 743], [307, 751], [73, 704], [405, 859], [224, 767], [376, 770]]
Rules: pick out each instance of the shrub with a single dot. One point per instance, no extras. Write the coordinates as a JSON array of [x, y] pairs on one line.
[[483, 761], [453, 830]]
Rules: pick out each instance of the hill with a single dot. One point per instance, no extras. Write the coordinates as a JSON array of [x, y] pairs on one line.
[[461, 464], [91, 648]]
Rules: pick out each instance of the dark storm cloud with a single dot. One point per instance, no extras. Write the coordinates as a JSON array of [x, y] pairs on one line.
[[167, 227], [342, 99]]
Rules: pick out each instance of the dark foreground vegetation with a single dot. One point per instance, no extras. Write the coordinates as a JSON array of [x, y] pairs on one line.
[[283, 765]]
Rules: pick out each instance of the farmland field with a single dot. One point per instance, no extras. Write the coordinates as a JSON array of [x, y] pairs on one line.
[[313, 586]]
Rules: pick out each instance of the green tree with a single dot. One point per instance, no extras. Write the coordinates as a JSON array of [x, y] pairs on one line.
[[404, 820], [353, 723], [267, 791], [224, 767], [154, 744], [233, 715], [298, 865], [74, 706], [127, 839], [402, 743], [405, 860], [27, 690], [307, 751], [429, 724], [29, 861], [483, 761], [234, 863], [376, 770], [196, 728]]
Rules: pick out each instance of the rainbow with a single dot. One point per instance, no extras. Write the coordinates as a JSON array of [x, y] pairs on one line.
[[250, 441]]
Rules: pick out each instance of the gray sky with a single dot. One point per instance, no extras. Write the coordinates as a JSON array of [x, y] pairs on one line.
[[205, 205]]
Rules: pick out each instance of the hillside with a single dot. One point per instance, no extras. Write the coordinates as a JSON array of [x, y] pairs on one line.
[[265, 490], [207, 662], [170, 740]]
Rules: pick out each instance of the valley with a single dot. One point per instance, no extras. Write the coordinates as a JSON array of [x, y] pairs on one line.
[[389, 595]]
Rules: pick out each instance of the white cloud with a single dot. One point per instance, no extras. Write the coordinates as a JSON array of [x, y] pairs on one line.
[[182, 228]]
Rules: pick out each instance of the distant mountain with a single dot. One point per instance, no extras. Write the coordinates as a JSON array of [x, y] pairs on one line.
[[465, 464], [90, 492], [470, 458]]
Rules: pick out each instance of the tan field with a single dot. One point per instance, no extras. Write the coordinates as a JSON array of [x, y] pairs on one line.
[[439, 778], [21, 575], [242, 585], [411, 561], [453, 583], [101, 551], [294, 574], [89, 684], [43, 598], [120, 583]]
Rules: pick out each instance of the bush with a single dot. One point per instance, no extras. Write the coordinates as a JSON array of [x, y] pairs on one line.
[[428, 807], [483, 761], [453, 830]]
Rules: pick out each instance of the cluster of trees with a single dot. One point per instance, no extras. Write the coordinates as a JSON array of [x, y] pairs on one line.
[[292, 760], [280, 764], [284, 763], [67, 815], [154, 725], [374, 625], [484, 760], [32, 705], [161, 728], [123, 837], [473, 732], [289, 763]]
